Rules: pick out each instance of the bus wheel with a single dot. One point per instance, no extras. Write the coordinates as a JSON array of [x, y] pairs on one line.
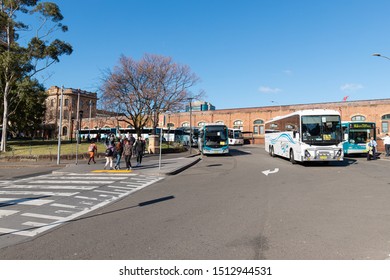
[[292, 160], [271, 151]]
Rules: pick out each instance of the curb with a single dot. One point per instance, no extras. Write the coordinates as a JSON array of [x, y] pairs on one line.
[[182, 168]]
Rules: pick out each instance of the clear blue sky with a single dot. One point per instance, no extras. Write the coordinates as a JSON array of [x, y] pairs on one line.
[[247, 53]]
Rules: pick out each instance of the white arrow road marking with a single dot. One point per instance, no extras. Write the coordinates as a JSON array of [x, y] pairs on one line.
[[266, 172]]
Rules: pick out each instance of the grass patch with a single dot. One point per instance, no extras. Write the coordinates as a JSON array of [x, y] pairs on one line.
[[47, 148]]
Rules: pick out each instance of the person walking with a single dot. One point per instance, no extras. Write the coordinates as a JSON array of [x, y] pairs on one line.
[[386, 141], [371, 149], [92, 150], [118, 154], [109, 156], [139, 147], [127, 153]]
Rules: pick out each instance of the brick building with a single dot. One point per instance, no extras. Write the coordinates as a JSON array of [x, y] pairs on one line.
[[249, 120], [77, 104]]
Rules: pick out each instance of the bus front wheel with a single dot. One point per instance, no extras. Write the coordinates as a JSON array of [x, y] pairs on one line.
[[292, 160]]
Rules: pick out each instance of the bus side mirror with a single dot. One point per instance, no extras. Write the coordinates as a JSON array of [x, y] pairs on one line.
[[295, 134]]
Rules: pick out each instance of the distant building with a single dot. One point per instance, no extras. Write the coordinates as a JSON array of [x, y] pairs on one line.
[[200, 106], [77, 105]]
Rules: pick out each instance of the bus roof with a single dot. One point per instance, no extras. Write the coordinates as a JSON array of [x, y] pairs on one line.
[[214, 124], [308, 112]]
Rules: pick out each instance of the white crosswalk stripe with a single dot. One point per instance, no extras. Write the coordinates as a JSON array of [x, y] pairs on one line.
[[30, 206]]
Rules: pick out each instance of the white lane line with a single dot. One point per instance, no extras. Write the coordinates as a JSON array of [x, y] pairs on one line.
[[70, 182], [51, 187], [34, 224], [63, 205], [24, 201], [85, 197], [115, 193], [63, 212], [103, 174], [38, 193], [4, 213], [87, 178], [49, 217], [17, 231], [125, 188]]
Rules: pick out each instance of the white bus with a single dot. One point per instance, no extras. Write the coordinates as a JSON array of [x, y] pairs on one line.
[[235, 137], [307, 135]]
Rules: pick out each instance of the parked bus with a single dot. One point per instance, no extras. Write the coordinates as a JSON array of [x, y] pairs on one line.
[[213, 139], [182, 135], [356, 134], [307, 135], [235, 137]]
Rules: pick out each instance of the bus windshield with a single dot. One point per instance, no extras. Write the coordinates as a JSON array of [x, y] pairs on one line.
[[215, 136], [360, 132], [237, 134], [325, 129]]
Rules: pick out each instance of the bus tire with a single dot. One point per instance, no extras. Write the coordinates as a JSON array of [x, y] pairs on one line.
[[292, 160], [271, 151]]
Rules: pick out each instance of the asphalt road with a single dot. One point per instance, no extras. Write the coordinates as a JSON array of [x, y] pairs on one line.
[[225, 207]]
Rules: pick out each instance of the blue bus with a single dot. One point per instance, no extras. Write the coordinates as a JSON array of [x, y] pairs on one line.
[[213, 139], [356, 134]]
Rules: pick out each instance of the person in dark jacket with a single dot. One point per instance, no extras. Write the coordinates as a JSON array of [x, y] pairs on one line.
[[139, 147], [118, 154], [127, 153]]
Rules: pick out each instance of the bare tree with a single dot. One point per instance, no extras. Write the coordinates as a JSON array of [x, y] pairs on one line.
[[141, 90]]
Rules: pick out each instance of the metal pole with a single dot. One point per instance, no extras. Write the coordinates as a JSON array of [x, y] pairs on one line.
[[159, 161], [190, 125], [89, 132], [78, 125], [60, 126]]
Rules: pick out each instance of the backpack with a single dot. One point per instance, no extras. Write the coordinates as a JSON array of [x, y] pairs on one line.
[[108, 152]]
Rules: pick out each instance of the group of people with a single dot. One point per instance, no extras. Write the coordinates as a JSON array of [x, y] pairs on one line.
[[115, 150], [371, 147]]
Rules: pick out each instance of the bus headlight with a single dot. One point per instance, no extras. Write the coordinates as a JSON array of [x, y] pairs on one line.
[[338, 154], [307, 154]]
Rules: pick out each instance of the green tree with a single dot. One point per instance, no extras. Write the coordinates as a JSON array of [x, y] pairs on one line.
[[27, 107], [17, 62]]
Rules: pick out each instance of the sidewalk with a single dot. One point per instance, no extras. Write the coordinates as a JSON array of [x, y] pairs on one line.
[[170, 164]]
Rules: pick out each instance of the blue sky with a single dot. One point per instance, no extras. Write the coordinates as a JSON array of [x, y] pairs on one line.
[[247, 53]]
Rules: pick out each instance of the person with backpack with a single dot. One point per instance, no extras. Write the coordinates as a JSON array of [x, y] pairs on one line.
[[109, 156], [118, 154], [92, 149]]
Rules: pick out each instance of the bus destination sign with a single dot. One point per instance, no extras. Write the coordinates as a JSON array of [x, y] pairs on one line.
[[361, 125]]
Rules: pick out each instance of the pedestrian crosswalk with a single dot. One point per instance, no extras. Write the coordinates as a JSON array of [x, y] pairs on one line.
[[33, 205]]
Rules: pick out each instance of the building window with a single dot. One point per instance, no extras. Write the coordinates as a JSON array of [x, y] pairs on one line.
[[219, 122], [66, 102], [358, 118], [185, 124], [238, 124], [385, 123], [258, 127], [64, 131], [385, 127], [201, 123], [170, 125]]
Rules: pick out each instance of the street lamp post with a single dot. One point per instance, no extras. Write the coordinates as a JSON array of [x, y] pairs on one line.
[[378, 54], [89, 131], [190, 99], [60, 126]]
